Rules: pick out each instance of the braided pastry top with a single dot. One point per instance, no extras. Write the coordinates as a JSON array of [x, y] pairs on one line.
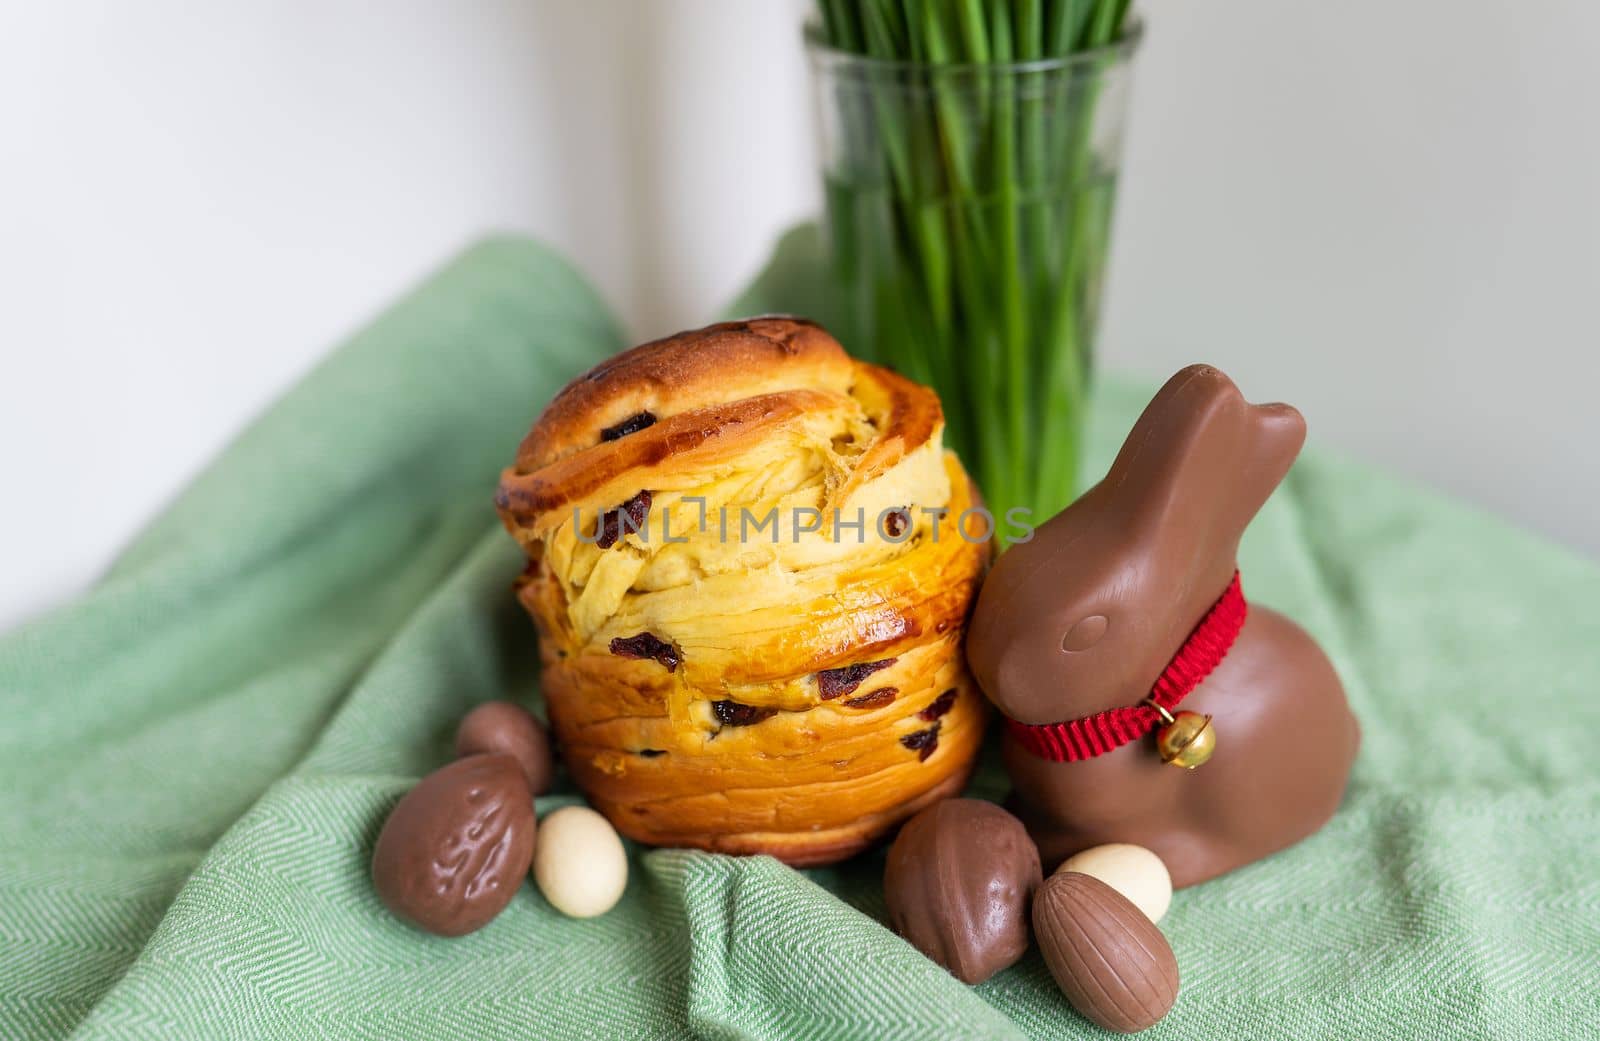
[[750, 587]]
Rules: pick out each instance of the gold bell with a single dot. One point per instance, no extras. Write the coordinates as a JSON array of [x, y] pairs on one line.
[[1187, 739]]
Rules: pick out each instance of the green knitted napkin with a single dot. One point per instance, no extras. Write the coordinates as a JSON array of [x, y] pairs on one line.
[[197, 755]]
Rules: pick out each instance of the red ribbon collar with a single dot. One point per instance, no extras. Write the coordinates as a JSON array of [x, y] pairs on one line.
[[1089, 736]]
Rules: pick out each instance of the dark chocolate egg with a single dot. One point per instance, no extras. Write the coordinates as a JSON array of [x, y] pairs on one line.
[[958, 882], [457, 846]]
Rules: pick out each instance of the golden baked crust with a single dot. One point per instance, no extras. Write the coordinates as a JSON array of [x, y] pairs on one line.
[[793, 687]]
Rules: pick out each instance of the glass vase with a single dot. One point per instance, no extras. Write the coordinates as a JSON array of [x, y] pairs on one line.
[[968, 223]]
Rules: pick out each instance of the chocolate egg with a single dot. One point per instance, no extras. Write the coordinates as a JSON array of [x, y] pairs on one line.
[[501, 727], [1107, 957], [457, 846], [581, 867], [1135, 872], [958, 881]]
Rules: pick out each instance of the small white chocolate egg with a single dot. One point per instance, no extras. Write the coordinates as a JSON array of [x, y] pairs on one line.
[[1133, 871], [579, 862]]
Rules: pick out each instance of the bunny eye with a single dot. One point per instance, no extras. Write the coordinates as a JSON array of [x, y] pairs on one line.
[[1085, 633]]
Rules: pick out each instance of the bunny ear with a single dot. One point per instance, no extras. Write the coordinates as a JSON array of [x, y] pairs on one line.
[[1273, 436], [1201, 460]]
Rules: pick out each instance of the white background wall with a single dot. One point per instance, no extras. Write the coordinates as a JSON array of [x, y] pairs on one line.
[[1382, 210]]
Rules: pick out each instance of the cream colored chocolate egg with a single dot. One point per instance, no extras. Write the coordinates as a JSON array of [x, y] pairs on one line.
[[579, 863], [1133, 871]]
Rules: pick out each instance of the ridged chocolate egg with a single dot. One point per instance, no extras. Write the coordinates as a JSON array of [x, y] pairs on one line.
[[1107, 957]]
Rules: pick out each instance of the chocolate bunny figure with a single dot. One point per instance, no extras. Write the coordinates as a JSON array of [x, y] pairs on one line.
[[1131, 594]]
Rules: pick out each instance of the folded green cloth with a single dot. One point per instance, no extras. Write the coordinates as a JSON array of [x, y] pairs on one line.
[[198, 754]]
